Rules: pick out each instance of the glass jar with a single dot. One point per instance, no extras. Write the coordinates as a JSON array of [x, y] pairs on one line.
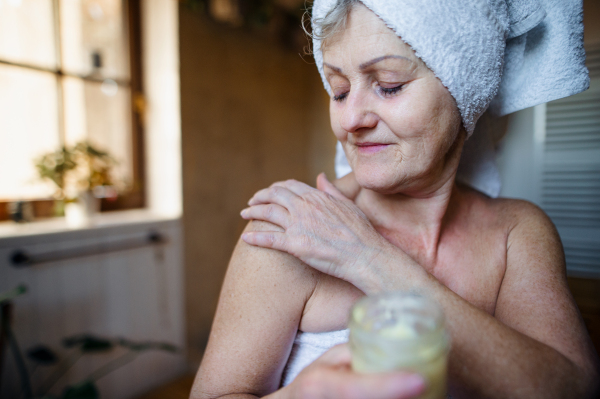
[[401, 331]]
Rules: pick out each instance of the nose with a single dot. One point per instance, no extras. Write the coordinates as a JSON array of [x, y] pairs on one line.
[[358, 113]]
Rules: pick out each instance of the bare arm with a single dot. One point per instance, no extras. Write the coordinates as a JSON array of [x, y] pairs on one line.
[[259, 311], [260, 308]]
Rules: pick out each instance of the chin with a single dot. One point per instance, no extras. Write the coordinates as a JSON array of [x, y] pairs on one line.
[[387, 180], [383, 182]]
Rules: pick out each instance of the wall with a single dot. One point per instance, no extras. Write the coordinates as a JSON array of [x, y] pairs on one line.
[[134, 294], [162, 121], [252, 113], [591, 27]]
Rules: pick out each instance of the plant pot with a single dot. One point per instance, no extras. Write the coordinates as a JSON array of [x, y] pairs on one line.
[[81, 213]]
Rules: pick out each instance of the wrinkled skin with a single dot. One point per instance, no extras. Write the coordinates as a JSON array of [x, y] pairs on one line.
[[398, 222]]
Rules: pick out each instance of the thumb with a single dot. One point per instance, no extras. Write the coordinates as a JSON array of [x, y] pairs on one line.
[[326, 186]]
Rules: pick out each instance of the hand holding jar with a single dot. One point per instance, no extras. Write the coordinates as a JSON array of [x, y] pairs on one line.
[[401, 332]]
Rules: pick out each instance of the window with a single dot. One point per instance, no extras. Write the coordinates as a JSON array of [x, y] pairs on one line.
[[70, 70]]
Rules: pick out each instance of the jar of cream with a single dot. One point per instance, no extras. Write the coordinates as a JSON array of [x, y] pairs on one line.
[[401, 331]]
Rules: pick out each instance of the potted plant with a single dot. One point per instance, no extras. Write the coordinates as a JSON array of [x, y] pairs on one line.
[[82, 175]]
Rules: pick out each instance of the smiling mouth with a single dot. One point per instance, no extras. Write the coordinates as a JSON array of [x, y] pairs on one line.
[[370, 148]]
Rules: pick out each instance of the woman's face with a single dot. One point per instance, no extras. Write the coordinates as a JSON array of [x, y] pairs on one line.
[[395, 119]]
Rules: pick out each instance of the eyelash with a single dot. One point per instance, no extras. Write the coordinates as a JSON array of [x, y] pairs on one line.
[[340, 97], [390, 91], [384, 90]]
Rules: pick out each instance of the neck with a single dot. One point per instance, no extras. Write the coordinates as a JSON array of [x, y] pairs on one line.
[[415, 221], [419, 220]]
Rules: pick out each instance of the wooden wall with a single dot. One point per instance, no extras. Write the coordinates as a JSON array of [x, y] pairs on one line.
[[252, 113]]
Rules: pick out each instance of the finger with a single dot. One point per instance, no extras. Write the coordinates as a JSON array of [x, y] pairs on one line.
[[274, 195], [294, 186], [336, 356], [325, 185], [270, 213], [265, 239], [353, 385]]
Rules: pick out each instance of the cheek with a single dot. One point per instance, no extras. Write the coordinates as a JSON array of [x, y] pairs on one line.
[[409, 118], [427, 122], [334, 118]]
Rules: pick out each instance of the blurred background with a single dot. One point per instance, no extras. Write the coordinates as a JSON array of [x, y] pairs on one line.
[[132, 132]]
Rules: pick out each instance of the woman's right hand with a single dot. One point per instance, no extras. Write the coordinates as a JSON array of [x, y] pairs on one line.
[[324, 229], [330, 376]]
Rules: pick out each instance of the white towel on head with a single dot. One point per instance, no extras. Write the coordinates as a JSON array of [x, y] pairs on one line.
[[544, 58], [503, 54]]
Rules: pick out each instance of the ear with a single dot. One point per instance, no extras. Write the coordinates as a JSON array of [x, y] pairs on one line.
[[326, 186]]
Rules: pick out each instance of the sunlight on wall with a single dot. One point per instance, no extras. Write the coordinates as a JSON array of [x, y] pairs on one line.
[[163, 121]]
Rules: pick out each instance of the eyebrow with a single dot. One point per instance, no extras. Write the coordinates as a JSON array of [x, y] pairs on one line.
[[367, 64], [379, 59], [336, 69]]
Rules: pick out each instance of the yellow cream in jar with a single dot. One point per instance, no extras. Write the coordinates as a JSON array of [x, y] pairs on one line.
[[401, 331]]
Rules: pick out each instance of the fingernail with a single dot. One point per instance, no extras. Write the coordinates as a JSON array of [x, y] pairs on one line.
[[243, 212]]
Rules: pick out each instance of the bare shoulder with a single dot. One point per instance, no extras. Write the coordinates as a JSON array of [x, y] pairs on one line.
[[528, 224], [348, 186], [514, 216], [268, 264]]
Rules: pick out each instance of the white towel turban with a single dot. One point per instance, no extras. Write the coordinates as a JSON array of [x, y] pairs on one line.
[[496, 55]]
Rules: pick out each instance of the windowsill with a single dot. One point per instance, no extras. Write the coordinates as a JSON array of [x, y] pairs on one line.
[[103, 221]]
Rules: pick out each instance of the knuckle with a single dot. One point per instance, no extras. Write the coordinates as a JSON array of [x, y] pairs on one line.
[[275, 191], [269, 211], [278, 183]]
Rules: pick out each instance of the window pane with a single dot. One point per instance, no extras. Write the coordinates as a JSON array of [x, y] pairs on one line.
[[100, 113], [29, 127], [27, 32], [94, 38]]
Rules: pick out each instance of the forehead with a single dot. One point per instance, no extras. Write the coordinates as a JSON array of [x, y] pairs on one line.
[[365, 37]]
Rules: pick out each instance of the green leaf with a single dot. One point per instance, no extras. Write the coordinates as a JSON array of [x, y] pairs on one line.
[[84, 390], [88, 343], [12, 294], [42, 355]]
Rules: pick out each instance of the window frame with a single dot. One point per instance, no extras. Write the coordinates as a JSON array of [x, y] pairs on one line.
[[136, 197]]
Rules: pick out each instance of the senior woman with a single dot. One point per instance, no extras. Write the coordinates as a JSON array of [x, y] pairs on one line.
[[400, 220]]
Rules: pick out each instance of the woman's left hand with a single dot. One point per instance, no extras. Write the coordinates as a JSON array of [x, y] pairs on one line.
[[321, 227]]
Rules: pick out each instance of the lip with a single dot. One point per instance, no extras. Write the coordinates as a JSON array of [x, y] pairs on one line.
[[370, 148]]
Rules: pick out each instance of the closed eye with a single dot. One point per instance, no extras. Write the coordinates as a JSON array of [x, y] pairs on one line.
[[340, 97], [389, 91]]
